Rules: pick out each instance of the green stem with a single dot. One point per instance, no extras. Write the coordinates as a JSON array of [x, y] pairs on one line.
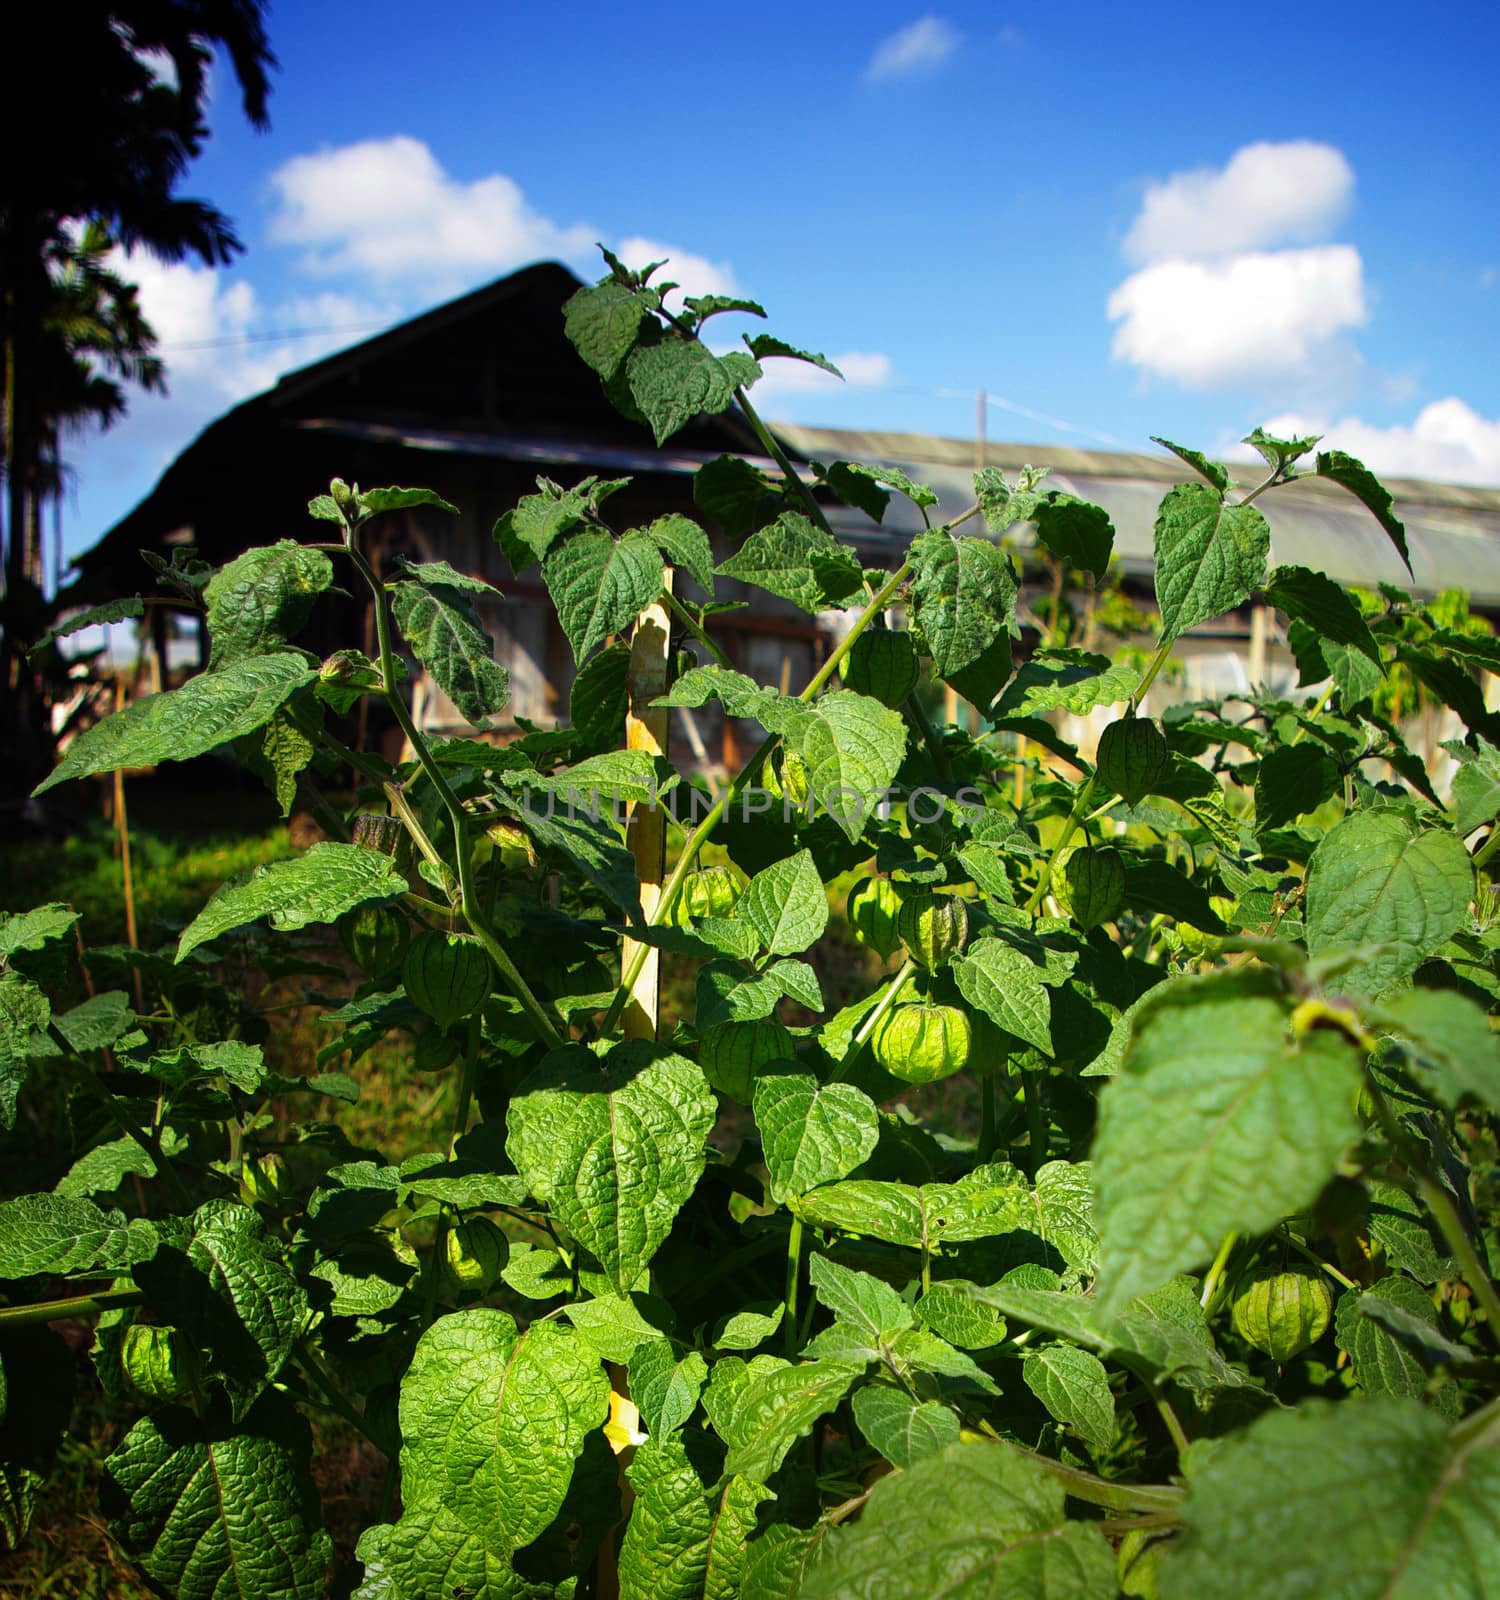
[[466, 1085], [314, 1367], [867, 1028], [1036, 1122], [772, 447], [793, 1279], [1314, 1259], [1164, 1498], [1070, 827], [1148, 677], [1488, 848], [403, 808], [1261, 487], [986, 1146], [1211, 1282], [1476, 1425], [878, 603], [696, 628], [1174, 1427], [79, 1305]]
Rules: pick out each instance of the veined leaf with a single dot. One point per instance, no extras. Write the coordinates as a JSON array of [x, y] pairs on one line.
[[1074, 1387], [374, 501], [685, 545], [786, 905], [1070, 680], [997, 979], [665, 1386], [53, 1233], [812, 1133], [1452, 1039], [796, 559], [94, 617], [853, 748], [903, 1430], [600, 584], [35, 929], [870, 1309], [445, 635], [492, 1422], [613, 1151], [1315, 599], [1219, 1122], [1357, 478], [219, 1511], [1210, 557], [177, 725], [964, 601], [1074, 531], [1368, 1501], [319, 886], [678, 379], [1378, 879], [603, 323], [973, 1519], [918, 1217], [262, 598], [1217, 475], [772, 1411]]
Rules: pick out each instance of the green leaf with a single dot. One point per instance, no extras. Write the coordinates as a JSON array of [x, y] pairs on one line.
[[1075, 532], [1066, 680], [213, 1511], [1476, 785], [997, 979], [1219, 1122], [763, 345], [1382, 1363], [53, 1233], [775, 1409], [963, 596], [974, 1520], [903, 1430], [852, 747], [446, 637], [1356, 676], [205, 712], [600, 584], [278, 753], [319, 886], [1451, 1038], [1313, 598], [889, 477], [868, 1308], [1366, 1501], [94, 617], [1074, 1387], [679, 379], [1218, 476], [602, 324], [737, 496], [600, 698], [35, 929], [1063, 1194], [104, 1168], [1357, 478], [1290, 781], [615, 1326], [374, 501], [229, 1288], [797, 560], [262, 598], [664, 1385], [1210, 557], [786, 905], [685, 545], [919, 1218], [749, 1328], [593, 847], [613, 1151], [633, 775], [1397, 1224], [1378, 879], [704, 306], [449, 577], [492, 1422], [1003, 503], [727, 993], [812, 1133]]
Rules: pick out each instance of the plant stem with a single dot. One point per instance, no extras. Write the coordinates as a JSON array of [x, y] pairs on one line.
[[1036, 1122], [1488, 848], [696, 628], [80, 1305], [1211, 1282], [1148, 677], [986, 1146], [867, 1028], [1163, 1498], [773, 449], [340, 1402], [466, 1084], [793, 1278], [1174, 1427]]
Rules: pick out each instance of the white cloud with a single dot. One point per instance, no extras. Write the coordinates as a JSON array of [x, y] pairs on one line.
[[1267, 315], [696, 274], [192, 310], [1267, 194], [862, 369], [918, 47], [1448, 441], [387, 210]]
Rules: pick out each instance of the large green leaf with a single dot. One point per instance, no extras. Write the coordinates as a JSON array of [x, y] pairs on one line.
[[24, 1014], [439, 623], [1366, 1501], [1220, 1121], [1210, 557], [54, 1233], [1451, 1038], [678, 379], [797, 560], [786, 905], [902, 1429], [613, 1150], [1074, 1387], [35, 929], [319, 886], [684, 543], [964, 601], [1003, 983], [602, 323], [262, 598], [812, 1133], [973, 1520], [219, 1511], [205, 712], [852, 747], [1074, 531], [921, 1217], [664, 1385], [600, 584], [1357, 478], [868, 1312], [774, 1409], [1313, 598], [1476, 784], [492, 1422], [1379, 879]]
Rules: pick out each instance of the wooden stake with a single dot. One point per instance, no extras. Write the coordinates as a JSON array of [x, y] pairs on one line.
[[122, 829], [646, 728]]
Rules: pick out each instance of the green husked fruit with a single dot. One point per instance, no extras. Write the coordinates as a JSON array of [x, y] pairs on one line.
[[1132, 756], [709, 892], [786, 779], [1282, 1315], [474, 1255], [433, 1050], [160, 1363], [882, 665], [264, 1181], [375, 938], [920, 1043], [872, 909], [933, 927], [1096, 884], [447, 975], [733, 1053]]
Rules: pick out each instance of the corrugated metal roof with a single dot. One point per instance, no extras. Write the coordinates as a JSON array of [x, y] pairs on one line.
[[1453, 531]]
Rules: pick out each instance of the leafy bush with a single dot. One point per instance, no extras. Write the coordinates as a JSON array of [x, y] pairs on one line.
[[696, 1304]]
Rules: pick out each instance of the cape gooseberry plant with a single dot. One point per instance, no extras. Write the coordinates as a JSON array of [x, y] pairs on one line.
[[1181, 1287]]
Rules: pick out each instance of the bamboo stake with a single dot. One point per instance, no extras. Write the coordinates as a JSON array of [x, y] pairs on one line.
[[646, 728], [122, 829]]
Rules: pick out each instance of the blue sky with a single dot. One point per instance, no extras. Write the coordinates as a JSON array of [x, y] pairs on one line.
[[1114, 221]]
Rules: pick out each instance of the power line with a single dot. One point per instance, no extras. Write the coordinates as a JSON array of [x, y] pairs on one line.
[[276, 335]]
